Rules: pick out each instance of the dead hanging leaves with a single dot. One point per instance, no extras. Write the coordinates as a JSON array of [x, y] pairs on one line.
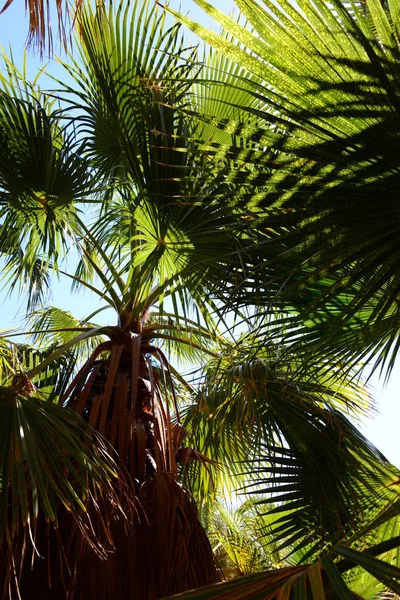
[[60, 495], [126, 392], [40, 32]]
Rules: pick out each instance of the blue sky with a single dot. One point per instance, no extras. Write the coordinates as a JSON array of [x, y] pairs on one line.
[[383, 431]]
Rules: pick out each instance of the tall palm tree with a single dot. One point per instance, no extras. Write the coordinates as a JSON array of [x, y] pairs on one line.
[[126, 150], [141, 172]]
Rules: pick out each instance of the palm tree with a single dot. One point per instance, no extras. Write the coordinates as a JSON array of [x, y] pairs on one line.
[[141, 173], [146, 170]]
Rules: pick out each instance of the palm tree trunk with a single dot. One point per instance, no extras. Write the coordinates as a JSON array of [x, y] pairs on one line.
[[161, 547]]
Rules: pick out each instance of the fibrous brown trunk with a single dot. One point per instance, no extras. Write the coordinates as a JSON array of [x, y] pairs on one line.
[[160, 548]]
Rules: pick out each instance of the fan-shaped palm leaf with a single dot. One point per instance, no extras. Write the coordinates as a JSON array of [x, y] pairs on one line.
[[320, 581], [50, 459], [253, 394], [42, 173], [326, 77]]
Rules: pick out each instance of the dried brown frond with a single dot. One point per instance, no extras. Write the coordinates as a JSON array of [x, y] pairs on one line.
[[163, 548], [40, 33], [59, 559], [172, 551]]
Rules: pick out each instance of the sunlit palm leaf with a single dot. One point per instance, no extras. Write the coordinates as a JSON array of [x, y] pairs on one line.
[[320, 581], [167, 209], [51, 327], [16, 358], [252, 393], [306, 582], [327, 74], [380, 532], [238, 539]]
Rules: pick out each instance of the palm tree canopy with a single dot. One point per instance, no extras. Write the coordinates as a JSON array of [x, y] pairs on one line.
[[189, 188]]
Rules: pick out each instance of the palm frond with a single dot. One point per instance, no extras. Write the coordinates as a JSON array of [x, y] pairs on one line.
[[42, 174], [40, 32], [308, 581], [321, 580], [325, 78], [50, 459], [17, 358], [238, 540]]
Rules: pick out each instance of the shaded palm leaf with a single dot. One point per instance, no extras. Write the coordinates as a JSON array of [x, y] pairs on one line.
[[50, 459], [316, 512]]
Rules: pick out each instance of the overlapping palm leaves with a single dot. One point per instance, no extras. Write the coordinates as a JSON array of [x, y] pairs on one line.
[[321, 580], [146, 164], [245, 543], [281, 433], [176, 206], [345, 572], [172, 240], [242, 540], [255, 405], [325, 77]]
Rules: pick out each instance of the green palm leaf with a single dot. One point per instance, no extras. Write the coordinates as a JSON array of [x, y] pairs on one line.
[[325, 79], [42, 174], [320, 581], [274, 585]]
